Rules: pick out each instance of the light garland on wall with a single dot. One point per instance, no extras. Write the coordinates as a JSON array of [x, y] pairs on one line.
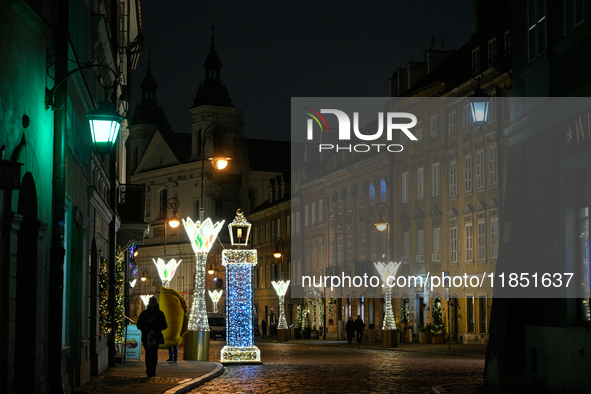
[[387, 271], [166, 271], [119, 297], [215, 296], [330, 310], [104, 316], [281, 289]]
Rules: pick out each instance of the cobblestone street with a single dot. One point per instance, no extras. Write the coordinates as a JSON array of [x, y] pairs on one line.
[[299, 368]]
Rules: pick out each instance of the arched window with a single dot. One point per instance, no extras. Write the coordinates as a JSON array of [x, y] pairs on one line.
[[372, 194]]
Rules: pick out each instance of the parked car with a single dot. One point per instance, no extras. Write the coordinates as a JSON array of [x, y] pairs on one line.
[[217, 325]]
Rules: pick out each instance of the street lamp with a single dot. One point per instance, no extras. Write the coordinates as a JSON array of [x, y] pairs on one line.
[[144, 276], [383, 222], [216, 132], [479, 103], [279, 254]]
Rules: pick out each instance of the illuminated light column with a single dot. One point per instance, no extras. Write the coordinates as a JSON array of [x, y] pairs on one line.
[[145, 299], [215, 296], [166, 271], [240, 348], [389, 325], [202, 237], [282, 327]]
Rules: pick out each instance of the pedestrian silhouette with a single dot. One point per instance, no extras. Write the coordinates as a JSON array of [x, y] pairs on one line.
[[359, 326], [151, 323], [350, 328]]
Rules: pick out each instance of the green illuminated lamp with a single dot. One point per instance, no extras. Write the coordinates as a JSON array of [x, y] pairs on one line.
[[104, 126]]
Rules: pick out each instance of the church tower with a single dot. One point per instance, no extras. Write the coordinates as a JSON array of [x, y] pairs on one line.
[[147, 118]]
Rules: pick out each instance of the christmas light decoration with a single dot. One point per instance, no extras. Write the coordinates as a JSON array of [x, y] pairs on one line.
[[387, 271], [215, 298], [202, 237], [104, 315], [145, 299], [166, 271], [281, 289], [132, 283], [240, 346], [119, 297]]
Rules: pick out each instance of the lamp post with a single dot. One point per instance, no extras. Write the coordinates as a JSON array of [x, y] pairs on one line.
[[383, 221], [479, 103]]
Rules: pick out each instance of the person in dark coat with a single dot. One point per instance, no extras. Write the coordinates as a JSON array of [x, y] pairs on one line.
[[263, 329], [151, 323], [350, 328], [359, 326]]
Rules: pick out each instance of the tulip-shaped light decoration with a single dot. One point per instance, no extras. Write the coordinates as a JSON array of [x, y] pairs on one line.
[[215, 296], [386, 271], [166, 271], [281, 289], [132, 283], [202, 237], [145, 299]]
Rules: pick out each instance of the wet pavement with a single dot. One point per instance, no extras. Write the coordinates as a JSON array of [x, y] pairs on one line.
[[300, 367]]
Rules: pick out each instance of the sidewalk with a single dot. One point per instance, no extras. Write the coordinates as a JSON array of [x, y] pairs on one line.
[[171, 378], [439, 348]]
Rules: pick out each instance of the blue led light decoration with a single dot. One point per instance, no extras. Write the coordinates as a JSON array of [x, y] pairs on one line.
[[240, 346]]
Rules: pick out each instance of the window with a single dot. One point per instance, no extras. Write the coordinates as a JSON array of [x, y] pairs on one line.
[[349, 201], [467, 119], [405, 187], [494, 238], [373, 244], [331, 206], [480, 169], [437, 244], [453, 244], [255, 236], [163, 203], [453, 179], [306, 222], [340, 203], [320, 210], [481, 240], [451, 122], [475, 60], [372, 194], [278, 228], [332, 254], [574, 14], [266, 232], [436, 186], [419, 131], [272, 231], [435, 126], [405, 246], [467, 174], [536, 12], [421, 183], [469, 242], [341, 255], [362, 246], [350, 249], [470, 313], [321, 253], [383, 190], [360, 198], [314, 261], [420, 246], [298, 222], [314, 213], [492, 51], [493, 165], [288, 225]]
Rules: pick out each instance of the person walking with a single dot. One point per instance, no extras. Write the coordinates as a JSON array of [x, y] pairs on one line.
[[173, 354], [359, 326], [264, 329], [151, 323], [350, 328]]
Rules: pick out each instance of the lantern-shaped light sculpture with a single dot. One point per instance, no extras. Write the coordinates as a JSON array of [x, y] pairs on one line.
[[215, 296], [479, 103], [388, 271], [202, 237], [104, 126], [166, 271], [281, 289], [240, 346]]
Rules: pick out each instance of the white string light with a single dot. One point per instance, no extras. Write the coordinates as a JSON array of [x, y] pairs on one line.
[[281, 289], [215, 296], [387, 271], [166, 271]]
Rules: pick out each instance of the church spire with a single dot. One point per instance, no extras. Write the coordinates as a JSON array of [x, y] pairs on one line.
[[212, 91], [148, 110]]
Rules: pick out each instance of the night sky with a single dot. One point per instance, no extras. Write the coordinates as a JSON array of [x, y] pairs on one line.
[[272, 51]]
